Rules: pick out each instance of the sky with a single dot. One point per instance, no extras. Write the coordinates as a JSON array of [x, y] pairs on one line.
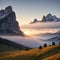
[[27, 10]]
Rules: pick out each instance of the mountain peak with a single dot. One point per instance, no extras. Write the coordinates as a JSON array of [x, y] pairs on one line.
[[49, 15], [8, 9], [48, 18], [8, 23]]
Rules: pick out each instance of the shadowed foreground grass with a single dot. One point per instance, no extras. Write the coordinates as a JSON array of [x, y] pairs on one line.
[[5, 48], [46, 53]]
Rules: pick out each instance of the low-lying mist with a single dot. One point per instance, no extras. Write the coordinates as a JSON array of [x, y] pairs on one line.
[[38, 33], [42, 25], [41, 28]]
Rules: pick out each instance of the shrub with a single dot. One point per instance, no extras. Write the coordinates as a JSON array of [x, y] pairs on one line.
[[27, 49], [30, 48], [53, 43], [40, 47], [45, 45], [49, 45]]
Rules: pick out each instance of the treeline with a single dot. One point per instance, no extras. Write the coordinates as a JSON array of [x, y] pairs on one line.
[[45, 45]]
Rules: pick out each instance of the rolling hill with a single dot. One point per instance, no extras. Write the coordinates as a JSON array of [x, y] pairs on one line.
[[45, 53], [6, 45]]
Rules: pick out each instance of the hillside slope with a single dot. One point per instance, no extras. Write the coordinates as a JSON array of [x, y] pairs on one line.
[[6, 45], [46, 53]]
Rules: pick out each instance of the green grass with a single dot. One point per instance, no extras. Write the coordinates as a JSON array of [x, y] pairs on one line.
[[5, 48], [46, 53]]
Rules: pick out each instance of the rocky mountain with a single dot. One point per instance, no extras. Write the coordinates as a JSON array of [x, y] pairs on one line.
[[8, 23], [48, 18], [35, 20]]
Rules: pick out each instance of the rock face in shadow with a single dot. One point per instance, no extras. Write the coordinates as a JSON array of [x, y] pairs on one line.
[[8, 23]]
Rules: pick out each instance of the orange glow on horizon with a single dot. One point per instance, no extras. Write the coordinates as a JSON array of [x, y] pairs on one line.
[[35, 32], [27, 32]]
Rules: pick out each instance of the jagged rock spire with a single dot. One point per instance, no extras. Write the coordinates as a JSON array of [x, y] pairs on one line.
[[8, 22]]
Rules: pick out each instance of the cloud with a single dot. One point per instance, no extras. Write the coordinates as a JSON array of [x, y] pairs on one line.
[[32, 42], [42, 25]]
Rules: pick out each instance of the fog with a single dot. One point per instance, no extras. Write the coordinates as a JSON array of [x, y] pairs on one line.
[[39, 28], [42, 25], [32, 42], [37, 34]]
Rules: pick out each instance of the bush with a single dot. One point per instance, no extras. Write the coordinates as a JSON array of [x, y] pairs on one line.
[[53, 43], [30, 48], [40, 47], [27, 49], [49, 45], [45, 45]]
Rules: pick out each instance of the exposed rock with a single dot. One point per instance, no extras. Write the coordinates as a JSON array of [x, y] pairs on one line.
[[8, 9], [8, 23], [34, 21], [48, 18], [43, 19]]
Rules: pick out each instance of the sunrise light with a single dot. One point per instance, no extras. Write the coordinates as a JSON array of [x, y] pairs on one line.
[[27, 32]]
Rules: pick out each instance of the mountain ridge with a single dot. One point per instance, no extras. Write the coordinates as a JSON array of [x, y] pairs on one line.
[[48, 18], [8, 22]]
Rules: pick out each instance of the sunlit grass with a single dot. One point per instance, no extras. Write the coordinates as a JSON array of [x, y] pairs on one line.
[[56, 57], [33, 54]]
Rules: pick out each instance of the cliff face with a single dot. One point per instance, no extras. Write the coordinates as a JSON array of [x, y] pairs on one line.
[[50, 18], [8, 23]]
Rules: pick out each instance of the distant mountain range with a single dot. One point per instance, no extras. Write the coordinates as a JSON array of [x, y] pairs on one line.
[[8, 23], [48, 18]]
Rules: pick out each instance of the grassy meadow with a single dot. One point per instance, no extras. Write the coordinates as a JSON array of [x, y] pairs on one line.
[[44, 53]]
